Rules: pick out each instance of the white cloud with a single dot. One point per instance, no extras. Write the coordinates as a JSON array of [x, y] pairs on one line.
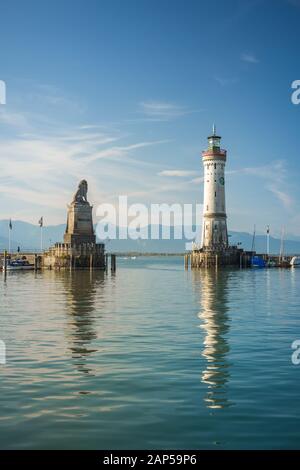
[[249, 57], [176, 173], [41, 168], [163, 111], [14, 119], [198, 180], [275, 176], [283, 197], [225, 81]]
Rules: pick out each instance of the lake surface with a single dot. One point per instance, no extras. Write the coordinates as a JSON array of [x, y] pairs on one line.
[[150, 357]]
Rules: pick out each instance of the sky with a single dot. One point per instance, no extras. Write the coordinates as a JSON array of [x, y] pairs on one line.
[[125, 93]]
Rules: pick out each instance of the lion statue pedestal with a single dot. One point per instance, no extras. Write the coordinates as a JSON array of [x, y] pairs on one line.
[[79, 249]]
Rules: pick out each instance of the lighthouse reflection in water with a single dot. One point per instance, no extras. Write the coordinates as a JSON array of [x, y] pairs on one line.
[[212, 286]]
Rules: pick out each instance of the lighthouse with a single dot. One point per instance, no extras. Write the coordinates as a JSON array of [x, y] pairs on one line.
[[214, 226]]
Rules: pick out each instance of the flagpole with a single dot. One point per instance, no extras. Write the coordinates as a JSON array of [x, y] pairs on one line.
[[41, 224], [9, 229], [268, 240]]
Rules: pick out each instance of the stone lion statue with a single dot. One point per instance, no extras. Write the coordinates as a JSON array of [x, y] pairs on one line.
[[81, 193]]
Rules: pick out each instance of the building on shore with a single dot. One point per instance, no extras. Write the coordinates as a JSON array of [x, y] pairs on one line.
[[79, 249], [214, 248]]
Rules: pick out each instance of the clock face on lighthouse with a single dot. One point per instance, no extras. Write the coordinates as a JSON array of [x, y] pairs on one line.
[[221, 180]]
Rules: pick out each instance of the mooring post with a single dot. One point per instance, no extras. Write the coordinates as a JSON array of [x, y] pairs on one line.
[[106, 261], [216, 261], [186, 261], [5, 263], [35, 262], [113, 262], [91, 262]]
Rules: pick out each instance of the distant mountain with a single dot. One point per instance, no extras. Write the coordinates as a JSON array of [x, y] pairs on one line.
[[27, 236], [260, 246]]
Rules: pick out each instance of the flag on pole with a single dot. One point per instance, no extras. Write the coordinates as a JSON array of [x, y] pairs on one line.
[[41, 223], [9, 231]]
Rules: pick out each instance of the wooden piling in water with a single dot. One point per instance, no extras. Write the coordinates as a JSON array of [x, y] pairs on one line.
[[35, 262], [5, 263], [113, 262], [186, 261]]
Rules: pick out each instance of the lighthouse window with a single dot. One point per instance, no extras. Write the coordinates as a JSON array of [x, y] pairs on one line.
[[207, 208], [215, 166], [215, 193]]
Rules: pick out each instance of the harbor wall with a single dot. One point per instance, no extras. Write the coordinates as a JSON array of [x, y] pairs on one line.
[[67, 256]]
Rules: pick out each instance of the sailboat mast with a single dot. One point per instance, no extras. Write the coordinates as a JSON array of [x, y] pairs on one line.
[[281, 254]]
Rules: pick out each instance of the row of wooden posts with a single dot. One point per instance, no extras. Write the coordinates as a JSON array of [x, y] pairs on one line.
[[197, 262], [91, 265], [214, 260], [72, 262], [112, 262]]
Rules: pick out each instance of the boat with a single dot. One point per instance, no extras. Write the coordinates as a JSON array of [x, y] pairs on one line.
[[295, 261], [18, 265], [257, 262]]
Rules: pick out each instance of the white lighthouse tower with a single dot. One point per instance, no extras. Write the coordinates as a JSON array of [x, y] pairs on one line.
[[214, 227]]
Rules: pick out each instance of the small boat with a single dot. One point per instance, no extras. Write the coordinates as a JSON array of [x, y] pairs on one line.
[[295, 261], [18, 265], [258, 262]]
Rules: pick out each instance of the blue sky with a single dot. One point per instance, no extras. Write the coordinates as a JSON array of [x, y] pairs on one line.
[[124, 93]]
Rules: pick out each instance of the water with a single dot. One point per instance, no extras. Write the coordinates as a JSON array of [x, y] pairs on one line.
[[151, 357]]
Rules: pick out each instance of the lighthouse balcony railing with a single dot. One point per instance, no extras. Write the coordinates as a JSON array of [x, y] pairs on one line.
[[209, 152]]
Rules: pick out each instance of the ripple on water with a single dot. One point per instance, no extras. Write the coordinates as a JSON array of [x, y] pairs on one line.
[[151, 357]]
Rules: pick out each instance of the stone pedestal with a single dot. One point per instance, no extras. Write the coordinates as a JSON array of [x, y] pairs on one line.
[[79, 249], [79, 224]]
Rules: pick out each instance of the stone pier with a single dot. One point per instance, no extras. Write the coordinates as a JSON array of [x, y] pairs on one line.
[[79, 249], [232, 256]]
